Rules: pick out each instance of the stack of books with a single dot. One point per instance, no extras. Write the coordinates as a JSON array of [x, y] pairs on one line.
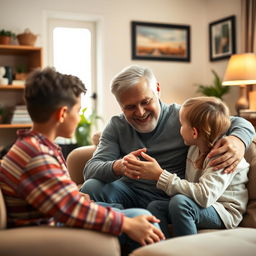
[[20, 115]]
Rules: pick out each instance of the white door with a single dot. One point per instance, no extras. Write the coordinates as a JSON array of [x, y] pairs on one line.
[[71, 50]]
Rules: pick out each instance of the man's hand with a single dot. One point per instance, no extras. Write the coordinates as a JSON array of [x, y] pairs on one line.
[[141, 230], [119, 167], [230, 150], [149, 169], [127, 171]]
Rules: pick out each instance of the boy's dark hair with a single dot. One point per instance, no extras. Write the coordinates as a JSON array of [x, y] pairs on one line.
[[46, 90]]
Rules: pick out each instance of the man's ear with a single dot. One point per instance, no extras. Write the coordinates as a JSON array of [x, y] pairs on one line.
[[61, 113], [158, 89], [195, 133]]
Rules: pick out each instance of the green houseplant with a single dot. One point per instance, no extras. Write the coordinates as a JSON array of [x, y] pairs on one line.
[[216, 89], [6, 36], [84, 128], [21, 72]]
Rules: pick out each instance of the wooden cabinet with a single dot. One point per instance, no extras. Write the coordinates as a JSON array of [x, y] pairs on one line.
[[12, 95]]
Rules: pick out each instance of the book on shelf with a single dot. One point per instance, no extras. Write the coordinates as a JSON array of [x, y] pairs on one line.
[[20, 115], [18, 82], [21, 107]]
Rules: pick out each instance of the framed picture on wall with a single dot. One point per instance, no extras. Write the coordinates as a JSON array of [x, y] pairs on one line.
[[222, 38], [161, 42]]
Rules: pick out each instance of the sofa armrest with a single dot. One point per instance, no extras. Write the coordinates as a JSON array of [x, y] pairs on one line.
[[76, 161], [45, 240], [3, 217], [249, 219]]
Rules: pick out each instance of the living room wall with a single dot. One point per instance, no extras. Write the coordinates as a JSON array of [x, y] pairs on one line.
[[177, 79], [218, 9]]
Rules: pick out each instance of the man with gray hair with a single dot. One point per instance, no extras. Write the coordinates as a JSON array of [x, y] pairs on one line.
[[147, 124]]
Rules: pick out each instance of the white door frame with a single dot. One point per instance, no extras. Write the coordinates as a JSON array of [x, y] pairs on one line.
[[98, 75]]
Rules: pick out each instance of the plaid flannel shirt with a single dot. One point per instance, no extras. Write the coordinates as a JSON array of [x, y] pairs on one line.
[[37, 189]]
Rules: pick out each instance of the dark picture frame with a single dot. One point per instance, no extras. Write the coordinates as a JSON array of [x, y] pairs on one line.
[[161, 42], [222, 38]]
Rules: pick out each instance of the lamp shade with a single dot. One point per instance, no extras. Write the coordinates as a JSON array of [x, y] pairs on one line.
[[241, 70]]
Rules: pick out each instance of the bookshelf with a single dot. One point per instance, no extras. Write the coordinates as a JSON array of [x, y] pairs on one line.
[[12, 95], [14, 126], [11, 87]]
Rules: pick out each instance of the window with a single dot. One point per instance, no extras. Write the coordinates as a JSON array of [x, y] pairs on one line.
[[72, 55], [72, 51]]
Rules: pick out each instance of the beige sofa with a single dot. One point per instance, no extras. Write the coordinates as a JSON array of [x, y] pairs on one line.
[[236, 242], [46, 241], [239, 241]]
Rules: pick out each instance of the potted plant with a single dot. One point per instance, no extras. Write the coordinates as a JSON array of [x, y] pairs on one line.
[[21, 72], [6, 36], [216, 90], [84, 128]]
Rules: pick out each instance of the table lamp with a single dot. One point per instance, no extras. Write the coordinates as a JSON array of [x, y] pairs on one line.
[[241, 71]]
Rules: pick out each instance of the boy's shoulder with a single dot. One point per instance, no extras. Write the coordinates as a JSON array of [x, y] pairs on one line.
[[31, 144]]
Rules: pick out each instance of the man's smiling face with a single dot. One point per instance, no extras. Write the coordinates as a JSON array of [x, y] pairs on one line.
[[141, 107]]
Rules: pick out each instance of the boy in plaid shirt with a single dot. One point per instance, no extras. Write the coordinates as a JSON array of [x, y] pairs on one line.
[[33, 177]]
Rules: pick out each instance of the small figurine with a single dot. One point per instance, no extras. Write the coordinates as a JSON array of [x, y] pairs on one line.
[[3, 80]]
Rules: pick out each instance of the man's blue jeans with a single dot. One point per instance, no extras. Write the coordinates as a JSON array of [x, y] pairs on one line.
[[121, 193], [185, 215], [132, 212]]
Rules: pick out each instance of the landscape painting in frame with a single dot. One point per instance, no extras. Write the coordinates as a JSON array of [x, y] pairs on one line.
[[164, 42]]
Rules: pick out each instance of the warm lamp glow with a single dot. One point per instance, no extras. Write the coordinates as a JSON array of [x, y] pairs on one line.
[[241, 70]]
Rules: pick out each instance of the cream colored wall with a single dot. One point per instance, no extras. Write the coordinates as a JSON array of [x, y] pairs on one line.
[[177, 79]]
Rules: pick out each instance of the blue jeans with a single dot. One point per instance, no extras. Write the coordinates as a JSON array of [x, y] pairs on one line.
[[127, 244], [121, 193], [124, 240], [185, 215]]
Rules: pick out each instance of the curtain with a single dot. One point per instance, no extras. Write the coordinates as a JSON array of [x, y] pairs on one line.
[[248, 21], [248, 27]]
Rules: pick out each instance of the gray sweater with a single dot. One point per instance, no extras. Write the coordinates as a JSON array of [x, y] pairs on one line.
[[165, 144], [227, 193]]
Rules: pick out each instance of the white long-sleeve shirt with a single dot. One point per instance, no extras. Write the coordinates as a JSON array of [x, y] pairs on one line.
[[227, 193]]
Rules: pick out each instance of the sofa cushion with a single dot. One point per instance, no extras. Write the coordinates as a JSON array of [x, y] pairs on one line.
[[2, 212], [235, 242], [54, 241], [249, 219]]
